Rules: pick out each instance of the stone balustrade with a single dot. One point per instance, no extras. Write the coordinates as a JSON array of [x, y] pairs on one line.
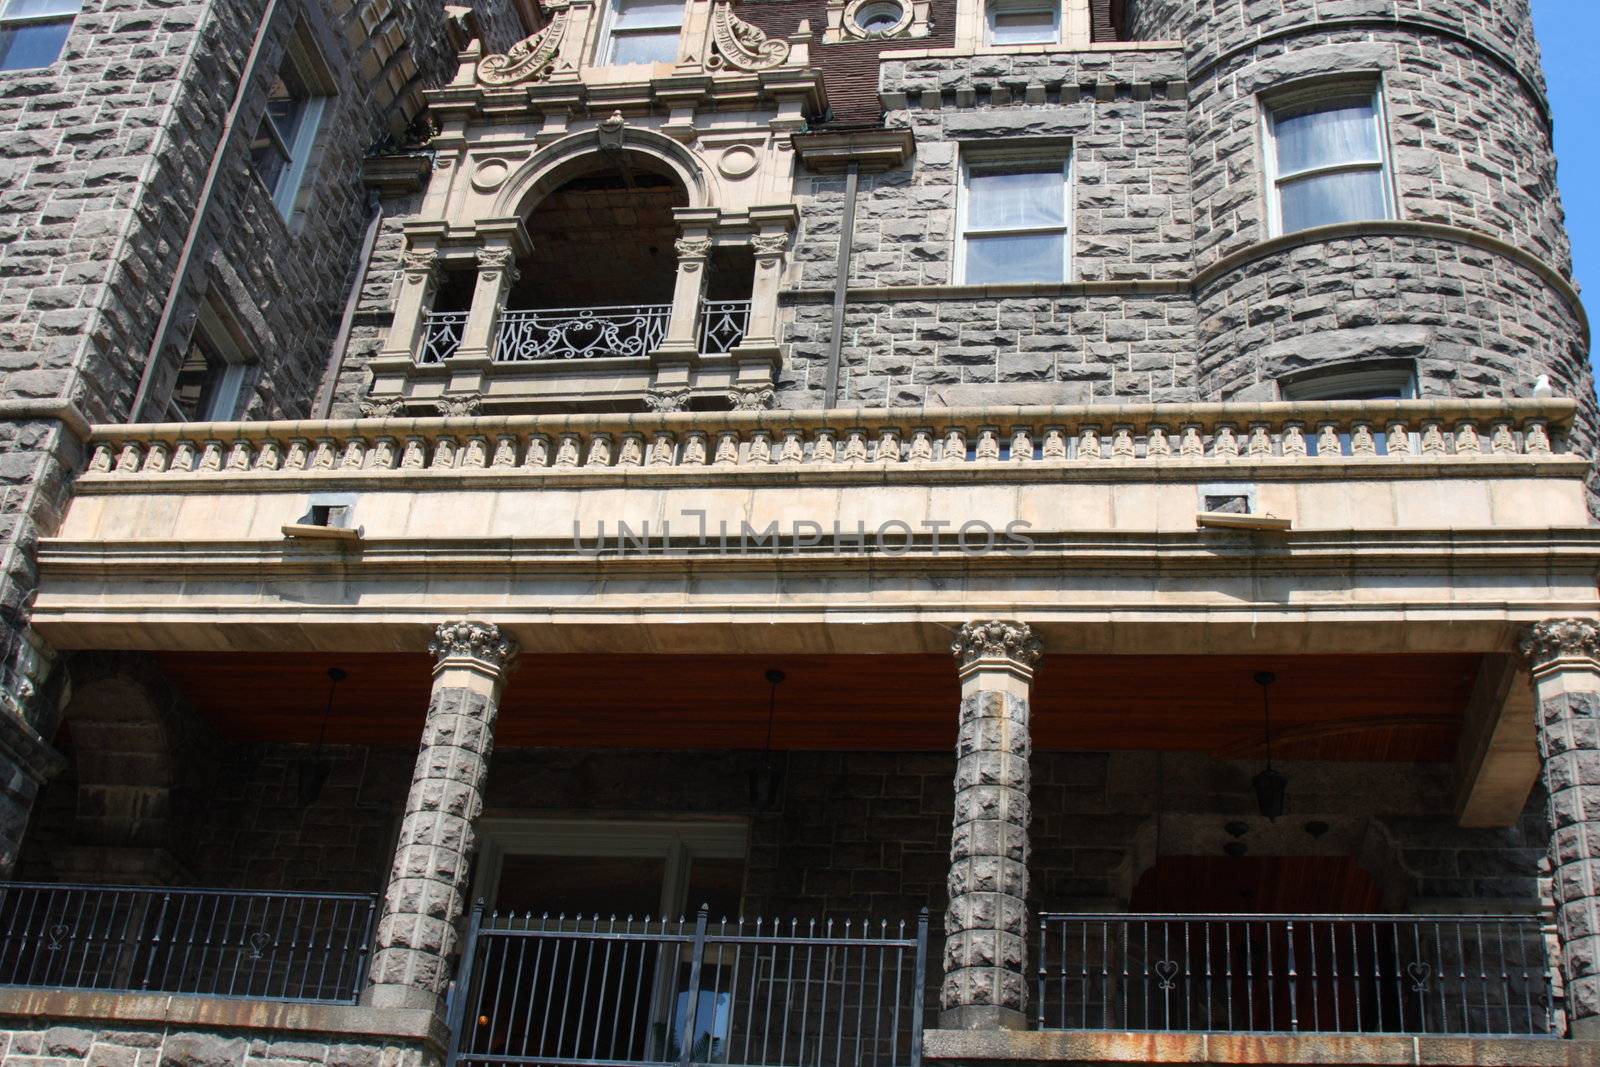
[[1066, 438]]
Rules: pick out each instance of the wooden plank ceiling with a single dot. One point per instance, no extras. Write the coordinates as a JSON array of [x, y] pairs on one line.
[[1367, 707]]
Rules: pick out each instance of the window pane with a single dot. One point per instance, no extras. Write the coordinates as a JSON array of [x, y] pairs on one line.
[[269, 160], [32, 9], [1022, 27], [1345, 133], [1015, 200], [32, 45], [649, 14], [653, 47], [1028, 258], [1348, 196], [198, 378], [286, 106]]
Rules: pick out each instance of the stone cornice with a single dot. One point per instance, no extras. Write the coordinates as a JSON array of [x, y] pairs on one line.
[[49, 409], [474, 642], [1554, 642]]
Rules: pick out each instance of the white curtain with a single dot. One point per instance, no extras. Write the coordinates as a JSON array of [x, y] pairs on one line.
[[1327, 137], [1015, 200], [1343, 196]]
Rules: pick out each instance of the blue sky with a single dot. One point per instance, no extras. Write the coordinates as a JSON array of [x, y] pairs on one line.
[[1567, 31]]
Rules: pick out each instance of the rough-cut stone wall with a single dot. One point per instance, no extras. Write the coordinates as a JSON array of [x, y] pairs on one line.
[[1123, 113], [81, 1043], [377, 280]]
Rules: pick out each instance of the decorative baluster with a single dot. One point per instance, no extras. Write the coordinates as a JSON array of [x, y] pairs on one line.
[[988, 443], [102, 461], [505, 451], [630, 453], [298, 456], [1397, 437], [1157, 444], [415, 456], [155, 458], [1468, 446], [727, 448], [599, 450], [444, 453], [1055, 444], [1294, 440], [855, 447], [1502, 442], [1088, 443], [1192, 445], [475, 454], [537, 457], [1021, 444], [664, 449], [1224, 442], [824, 449], [1361, 440], [128, 460], [694, 448], [1122, 442], [355, 454], [955, 445], [382, 454], [1432, 439], [921, 450], [1328, 446], [1260, 444], [211, 456], [240, 454], [567, 454], [888, 450], [1536, 437], [760, 447], [793, 449], [321, 460]]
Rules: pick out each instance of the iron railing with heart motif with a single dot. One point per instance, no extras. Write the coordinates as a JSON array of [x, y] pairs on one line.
[[580, 333], [214, 942], [1405, 974]]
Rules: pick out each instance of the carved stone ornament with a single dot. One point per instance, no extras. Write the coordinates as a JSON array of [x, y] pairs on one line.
[[769, 244], [1555, 639], [737, 45], [419, 266], [495, 258], [532, 58], [663, 401], [693, 247], [996, 639], [383, 407], [459, 407], [464, 639], [751, 397]]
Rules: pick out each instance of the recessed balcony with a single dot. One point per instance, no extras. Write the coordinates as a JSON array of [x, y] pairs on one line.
[[620, 332]]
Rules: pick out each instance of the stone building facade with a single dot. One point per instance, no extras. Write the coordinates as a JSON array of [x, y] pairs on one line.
[[1007, 470]]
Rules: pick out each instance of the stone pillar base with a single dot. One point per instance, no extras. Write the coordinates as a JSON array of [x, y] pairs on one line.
[[982, 1017]]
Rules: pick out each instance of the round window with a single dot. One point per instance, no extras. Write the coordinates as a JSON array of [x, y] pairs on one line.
[[879, 17]]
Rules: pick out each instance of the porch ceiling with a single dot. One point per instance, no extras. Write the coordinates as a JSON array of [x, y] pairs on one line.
[[1343, 707]]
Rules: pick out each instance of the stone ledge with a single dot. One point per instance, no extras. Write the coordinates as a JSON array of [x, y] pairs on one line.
[[224, 1013], [1000, 1046]]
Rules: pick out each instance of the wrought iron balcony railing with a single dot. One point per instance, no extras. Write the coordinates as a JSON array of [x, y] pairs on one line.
[[441, 336], [580, 333], [215, 942], [551, 991], [723, 324], [1370, 974]]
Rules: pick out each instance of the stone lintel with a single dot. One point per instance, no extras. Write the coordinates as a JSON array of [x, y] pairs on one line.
[[982, 1017], [1065, 1046], [154, 1009], [1497, 760]]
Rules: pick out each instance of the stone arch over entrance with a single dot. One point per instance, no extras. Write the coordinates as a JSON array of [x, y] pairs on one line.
[[571, 156]]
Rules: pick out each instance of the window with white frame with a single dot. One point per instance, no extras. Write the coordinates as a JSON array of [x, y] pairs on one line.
[[32, 32], [642, 31], [212, 376], [288, 132], [1023, 21], [1014, 219], [1327, 160]]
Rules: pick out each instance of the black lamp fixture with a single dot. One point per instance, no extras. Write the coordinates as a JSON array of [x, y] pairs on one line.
[[766, 781], [1270, 786], [313, 771]]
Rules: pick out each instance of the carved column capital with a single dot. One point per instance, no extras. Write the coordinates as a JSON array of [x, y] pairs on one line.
[[751, 397], [464, 639], [692, 248], [1545, 645], [769, 244], [996, 639], [492, 261], [420, 267], [664, 401]]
